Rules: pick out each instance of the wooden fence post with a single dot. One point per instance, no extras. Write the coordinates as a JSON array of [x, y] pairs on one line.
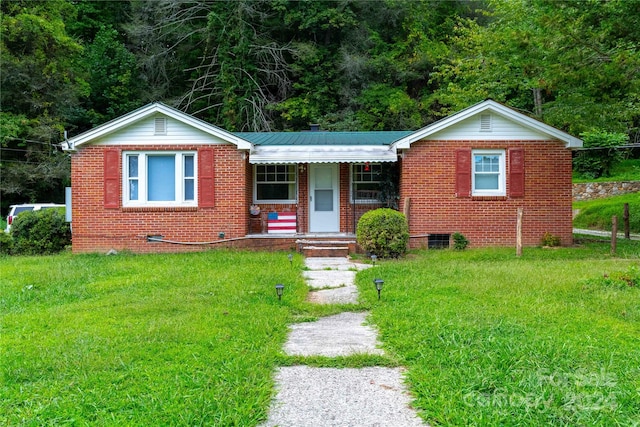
[[625, 221], [614, 234], [519, 233]]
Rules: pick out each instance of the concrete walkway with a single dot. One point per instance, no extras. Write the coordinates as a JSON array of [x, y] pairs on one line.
[[604, 233], [319, 397]]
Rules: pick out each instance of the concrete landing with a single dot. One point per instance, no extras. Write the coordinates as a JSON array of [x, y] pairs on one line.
[[343, 295], [332, 263], [329, 278], [332, 280], [330, 397], [341, 335]]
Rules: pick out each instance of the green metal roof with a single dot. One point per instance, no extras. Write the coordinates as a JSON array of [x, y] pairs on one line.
[[323, 138]]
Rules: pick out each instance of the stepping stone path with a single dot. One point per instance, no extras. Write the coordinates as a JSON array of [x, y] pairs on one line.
[[340, 335], [319, 397]]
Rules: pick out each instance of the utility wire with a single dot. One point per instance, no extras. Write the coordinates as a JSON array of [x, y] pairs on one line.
[[13, 149], [634, 145], [20, 161], [35, 142]]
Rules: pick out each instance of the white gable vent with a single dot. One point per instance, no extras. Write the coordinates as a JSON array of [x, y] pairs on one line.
[[485, 122], [160, 126]]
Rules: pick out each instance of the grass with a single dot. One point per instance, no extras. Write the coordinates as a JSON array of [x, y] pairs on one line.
[[626, 170], [187, 339], [193, 339], [596, 214], [491, 339]]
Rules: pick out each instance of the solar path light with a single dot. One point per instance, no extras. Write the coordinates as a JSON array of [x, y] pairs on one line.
[[378, 283], [279, 290], [374, 258]]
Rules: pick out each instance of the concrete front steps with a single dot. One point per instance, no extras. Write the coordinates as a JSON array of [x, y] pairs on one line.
[[333, 247]]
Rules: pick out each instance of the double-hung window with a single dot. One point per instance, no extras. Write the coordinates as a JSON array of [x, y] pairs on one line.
[[275, 184], [488, 173], [158, 178], [365, 180]]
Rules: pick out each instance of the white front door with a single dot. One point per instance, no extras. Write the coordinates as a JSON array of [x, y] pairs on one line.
[[324, 209]]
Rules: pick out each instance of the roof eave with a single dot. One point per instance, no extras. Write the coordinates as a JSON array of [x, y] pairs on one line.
[[495, 107], [114, 125]]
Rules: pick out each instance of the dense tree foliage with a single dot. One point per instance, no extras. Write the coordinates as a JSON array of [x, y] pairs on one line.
[[574, 64], [263, 65]]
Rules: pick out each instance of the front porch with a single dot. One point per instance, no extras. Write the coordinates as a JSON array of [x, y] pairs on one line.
[[319, 182], [317, 198]]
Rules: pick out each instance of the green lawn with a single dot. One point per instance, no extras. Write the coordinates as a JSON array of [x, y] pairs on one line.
[[490, 339], [193, 339], [187, 339]]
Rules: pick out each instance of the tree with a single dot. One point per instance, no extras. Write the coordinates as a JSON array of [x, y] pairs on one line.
[[38, 59], [602, 152], [242, 70], [41, 86], [111, 76], [572, 63], [167, 38]]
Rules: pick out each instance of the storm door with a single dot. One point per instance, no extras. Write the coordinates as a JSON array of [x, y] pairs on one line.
[[324, 209]]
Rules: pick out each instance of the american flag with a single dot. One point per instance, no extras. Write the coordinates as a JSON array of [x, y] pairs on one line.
[[281, 222]]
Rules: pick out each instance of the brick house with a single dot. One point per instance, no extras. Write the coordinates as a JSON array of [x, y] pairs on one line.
[[159, 180]]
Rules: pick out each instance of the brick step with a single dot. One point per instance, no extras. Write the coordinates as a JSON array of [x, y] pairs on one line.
[[326, 242], [326, 248], [325, 251]]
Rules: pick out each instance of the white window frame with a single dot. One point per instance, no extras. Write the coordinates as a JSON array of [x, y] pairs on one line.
[[275, 201], [502, 178], [354, 182], [142, 178]]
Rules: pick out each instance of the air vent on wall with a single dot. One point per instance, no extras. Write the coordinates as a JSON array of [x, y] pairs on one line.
[[485, 122], [161, 126]]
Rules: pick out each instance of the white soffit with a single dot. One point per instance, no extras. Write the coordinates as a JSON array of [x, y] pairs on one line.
[[322, 154]]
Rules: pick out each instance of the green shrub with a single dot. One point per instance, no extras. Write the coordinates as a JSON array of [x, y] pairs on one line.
[[605, 153], [40, 232], [6, 243], [383, 232], [550, 240], [460, 242]]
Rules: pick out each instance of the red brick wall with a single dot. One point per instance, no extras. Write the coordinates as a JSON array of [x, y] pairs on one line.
[[428, 179], [97, 229]]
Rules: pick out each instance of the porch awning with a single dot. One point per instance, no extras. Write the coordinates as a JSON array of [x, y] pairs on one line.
[[322, 154]]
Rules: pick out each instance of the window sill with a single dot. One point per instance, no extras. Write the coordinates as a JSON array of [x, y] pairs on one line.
[[366, 202], [275, 202], [497, 197], [159, 208]]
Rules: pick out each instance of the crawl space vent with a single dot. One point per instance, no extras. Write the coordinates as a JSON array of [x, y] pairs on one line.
[[438, 241]]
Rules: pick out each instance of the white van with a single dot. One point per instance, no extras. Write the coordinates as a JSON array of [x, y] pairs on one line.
[[16, 209]]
